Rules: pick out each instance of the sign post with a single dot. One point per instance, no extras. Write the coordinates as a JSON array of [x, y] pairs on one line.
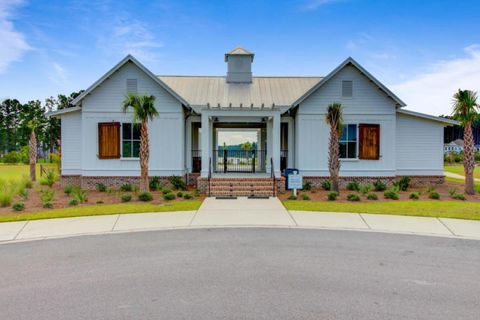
[[295, 181]]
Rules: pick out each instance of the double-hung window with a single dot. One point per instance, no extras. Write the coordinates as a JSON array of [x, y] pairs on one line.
[[348, 142], [130, 140]]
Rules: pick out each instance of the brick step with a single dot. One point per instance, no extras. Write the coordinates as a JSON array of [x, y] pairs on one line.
[[241, 185], [241, 179], [241, 193]]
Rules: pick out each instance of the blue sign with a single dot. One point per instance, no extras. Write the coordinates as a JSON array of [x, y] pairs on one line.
[[295, 181]]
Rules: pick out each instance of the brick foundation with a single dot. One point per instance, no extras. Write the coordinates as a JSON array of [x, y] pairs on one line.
[[202, 183], [90, 183]]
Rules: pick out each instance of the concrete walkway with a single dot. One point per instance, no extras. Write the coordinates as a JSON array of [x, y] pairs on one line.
[[234, 213], [458, 176]]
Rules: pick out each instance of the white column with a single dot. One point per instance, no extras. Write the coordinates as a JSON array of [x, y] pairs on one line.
[[291, 143], [269, 145], [205, 143], [276, 143], [188, 145]]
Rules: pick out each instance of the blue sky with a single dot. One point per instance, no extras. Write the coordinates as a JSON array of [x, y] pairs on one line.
[[422, 50]]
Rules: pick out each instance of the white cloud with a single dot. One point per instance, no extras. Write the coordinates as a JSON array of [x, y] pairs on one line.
[[13, 43], [311, 5], [431, 91], [129, 36], [58, 74]]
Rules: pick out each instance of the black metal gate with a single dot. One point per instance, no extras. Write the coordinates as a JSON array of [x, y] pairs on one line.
[[242, 161]]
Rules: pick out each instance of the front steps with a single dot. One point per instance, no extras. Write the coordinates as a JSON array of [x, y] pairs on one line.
[[229, 187]]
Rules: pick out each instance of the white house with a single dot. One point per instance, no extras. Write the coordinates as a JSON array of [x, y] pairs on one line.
[[381, 139], [453, 146]]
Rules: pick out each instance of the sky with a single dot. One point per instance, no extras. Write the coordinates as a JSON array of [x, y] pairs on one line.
[[422, 50]]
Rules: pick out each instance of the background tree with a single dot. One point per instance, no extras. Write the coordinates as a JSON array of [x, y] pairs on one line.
[[246, 146], [465, 111], [334, 119], [32, 149], [143, 111]]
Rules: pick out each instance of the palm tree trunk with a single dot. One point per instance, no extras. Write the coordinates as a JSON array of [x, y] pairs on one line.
[[333, 159], [468, 159], [144, 156], [33, 155]]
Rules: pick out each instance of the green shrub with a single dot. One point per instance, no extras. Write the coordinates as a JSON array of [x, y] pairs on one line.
[[126, 198], [26, 182], [12, 157], [73, 202], [179, 194], [307, 186], [155, 184], [353, 185], [177, 182], [187, 196], [332, 196], [353, 197], [6, 193], [99, 202], [110, 190], [101, 187], [372, 196], [68, 189], [434, 195], [292, 197], [23, 193], [305, 197], [364, 189], [452, 192], [49, 178], [414, 196], [18, 206], [459, 196], [169, 196], [48, 205], [392, 194], [378, 185], [46, 196], [145, 196], [166, 190], [430, 189], [80, 195], [403, 183], [126, 187], [327, 185], [196, 193]]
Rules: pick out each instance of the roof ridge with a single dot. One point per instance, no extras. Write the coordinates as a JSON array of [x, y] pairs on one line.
[[217, 76]]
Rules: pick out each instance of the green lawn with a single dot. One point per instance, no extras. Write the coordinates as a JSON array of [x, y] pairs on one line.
[[96, 210], [439, 209], [17, 171], [458, 169]]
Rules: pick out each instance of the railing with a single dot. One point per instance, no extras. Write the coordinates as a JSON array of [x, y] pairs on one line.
[[272, 175], [283, 160], [247, 161], [196, 160]]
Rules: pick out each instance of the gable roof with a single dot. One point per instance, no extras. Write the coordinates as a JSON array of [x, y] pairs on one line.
[[351, 61], [262, 93], [443, 120], [128, 58]]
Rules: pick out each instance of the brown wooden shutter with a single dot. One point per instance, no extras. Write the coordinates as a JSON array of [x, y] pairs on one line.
[[369, 148], [109, 140]]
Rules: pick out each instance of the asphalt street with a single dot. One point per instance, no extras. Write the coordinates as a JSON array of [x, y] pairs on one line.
[[245, 273]]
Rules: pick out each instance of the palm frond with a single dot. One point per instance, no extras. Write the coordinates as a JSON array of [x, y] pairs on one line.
[[334, 116], [465, 106]]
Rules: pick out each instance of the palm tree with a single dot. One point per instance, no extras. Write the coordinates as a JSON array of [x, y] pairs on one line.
[[465, 111], [143, 110], [246, 146], [335, 120], [32, 149]]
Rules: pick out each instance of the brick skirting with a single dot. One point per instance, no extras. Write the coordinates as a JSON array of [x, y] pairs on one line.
[[416, 181], [202, 182], [90, 183]]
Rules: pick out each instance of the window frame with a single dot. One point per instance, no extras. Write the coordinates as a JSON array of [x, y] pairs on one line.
[[128, 140], [346, 141]]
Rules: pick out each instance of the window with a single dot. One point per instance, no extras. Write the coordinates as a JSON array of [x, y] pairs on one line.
[[130, 140], [132, 86], [347, 88], [348, 142], [108, 140]]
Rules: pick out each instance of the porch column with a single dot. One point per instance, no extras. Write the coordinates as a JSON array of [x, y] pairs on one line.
[[188, 145], [205, 143], [291, 142], [276, 143], [268, 151]]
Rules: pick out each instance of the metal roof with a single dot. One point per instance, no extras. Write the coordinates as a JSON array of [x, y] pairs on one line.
[[262, 93], [428, 117]]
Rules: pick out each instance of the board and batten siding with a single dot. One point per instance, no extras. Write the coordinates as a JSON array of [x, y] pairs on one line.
[[367, 105], [419, 146], [71, 140], [166, 132]]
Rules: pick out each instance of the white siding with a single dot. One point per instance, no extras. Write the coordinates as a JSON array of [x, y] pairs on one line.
[[166, 132], [367, 105], [71, 140], [419, 146]]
